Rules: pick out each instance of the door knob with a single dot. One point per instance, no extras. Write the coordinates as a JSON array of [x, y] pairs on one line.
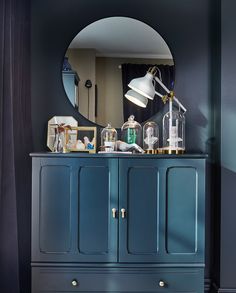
[[123, 211], [113, 213], [74, 283], [161, 283]]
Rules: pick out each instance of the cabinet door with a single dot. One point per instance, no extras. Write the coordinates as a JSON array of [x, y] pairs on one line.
[[164, 204], [140, 226], [72, 204], [185, 211], [97, 191]]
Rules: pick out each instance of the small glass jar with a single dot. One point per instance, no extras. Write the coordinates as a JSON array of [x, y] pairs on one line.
[[108, 138], [151, 137], [131, 131], [173, 133]]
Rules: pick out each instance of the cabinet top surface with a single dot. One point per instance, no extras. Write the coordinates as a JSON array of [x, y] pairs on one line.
[[110, 155]]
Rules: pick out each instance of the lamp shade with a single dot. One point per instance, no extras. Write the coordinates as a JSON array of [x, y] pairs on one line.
[[136, 98], [144, 86]]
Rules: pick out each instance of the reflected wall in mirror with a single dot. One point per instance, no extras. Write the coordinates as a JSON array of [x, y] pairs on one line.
[[103, 58]]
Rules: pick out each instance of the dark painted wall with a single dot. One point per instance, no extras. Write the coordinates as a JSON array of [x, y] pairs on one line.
[[184, 24], [228, 141]]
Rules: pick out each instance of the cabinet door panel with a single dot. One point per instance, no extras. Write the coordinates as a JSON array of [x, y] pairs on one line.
[[93, 224], [142, 197], [139, 195], [54, 223], [181, 218]]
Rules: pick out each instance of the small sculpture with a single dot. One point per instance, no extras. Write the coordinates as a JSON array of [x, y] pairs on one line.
[[88, 145], [174, 139], [150, 139], [80, 145], [123, 146], [66, 65]]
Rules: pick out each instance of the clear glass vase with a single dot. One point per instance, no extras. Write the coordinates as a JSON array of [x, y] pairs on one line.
[[173, 133]]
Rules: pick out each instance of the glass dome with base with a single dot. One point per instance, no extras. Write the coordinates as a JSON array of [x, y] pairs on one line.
[[151, 137], [173, 133], [131, 131], [108, 138]]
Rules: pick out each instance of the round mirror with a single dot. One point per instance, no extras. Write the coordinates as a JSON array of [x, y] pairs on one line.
[[101, 61]]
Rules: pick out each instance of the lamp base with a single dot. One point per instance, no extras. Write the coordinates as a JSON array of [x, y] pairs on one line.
[[169, 151]]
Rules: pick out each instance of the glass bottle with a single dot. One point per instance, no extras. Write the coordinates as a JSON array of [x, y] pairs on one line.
[[108, 138], [173, 133], [151, 137], [131, 131]]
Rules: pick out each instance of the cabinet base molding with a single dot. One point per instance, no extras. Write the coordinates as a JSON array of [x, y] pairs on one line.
[[217, 289], [207, 285]]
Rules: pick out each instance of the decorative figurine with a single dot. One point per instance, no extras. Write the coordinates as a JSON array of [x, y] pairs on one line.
[[66, 65], [80, 146], [151, 137], [124, 147]]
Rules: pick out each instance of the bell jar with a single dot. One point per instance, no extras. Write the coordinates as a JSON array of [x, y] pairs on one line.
[[131, 131], [151, 137], [173, 133], [108, 138]]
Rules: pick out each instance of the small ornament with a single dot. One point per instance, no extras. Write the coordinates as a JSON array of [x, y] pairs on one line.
[[150, 137]]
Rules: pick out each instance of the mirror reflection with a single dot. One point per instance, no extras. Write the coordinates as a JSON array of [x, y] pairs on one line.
[[103, 58]]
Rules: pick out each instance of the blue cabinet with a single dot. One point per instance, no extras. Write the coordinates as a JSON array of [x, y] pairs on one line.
[[117, 224]]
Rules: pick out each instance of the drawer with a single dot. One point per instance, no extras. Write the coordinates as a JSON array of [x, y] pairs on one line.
[[48, 279]]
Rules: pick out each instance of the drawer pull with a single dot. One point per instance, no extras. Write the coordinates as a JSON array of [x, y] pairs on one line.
[[74, 283], [161, 283], [123, 211], [114, 213]]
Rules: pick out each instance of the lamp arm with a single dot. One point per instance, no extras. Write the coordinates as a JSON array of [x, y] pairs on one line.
[[179, 104], [168, 91], [162, 84]]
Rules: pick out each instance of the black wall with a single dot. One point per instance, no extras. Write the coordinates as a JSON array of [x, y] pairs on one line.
[[184, 25], [188, 27], [228, 141]]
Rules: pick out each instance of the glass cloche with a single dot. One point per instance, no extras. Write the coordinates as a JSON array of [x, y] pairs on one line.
[[131, 131], [151, 137], [108, 138], [173, 133]]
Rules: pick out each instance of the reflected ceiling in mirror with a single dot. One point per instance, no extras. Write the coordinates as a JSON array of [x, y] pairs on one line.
[[103, 58]]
